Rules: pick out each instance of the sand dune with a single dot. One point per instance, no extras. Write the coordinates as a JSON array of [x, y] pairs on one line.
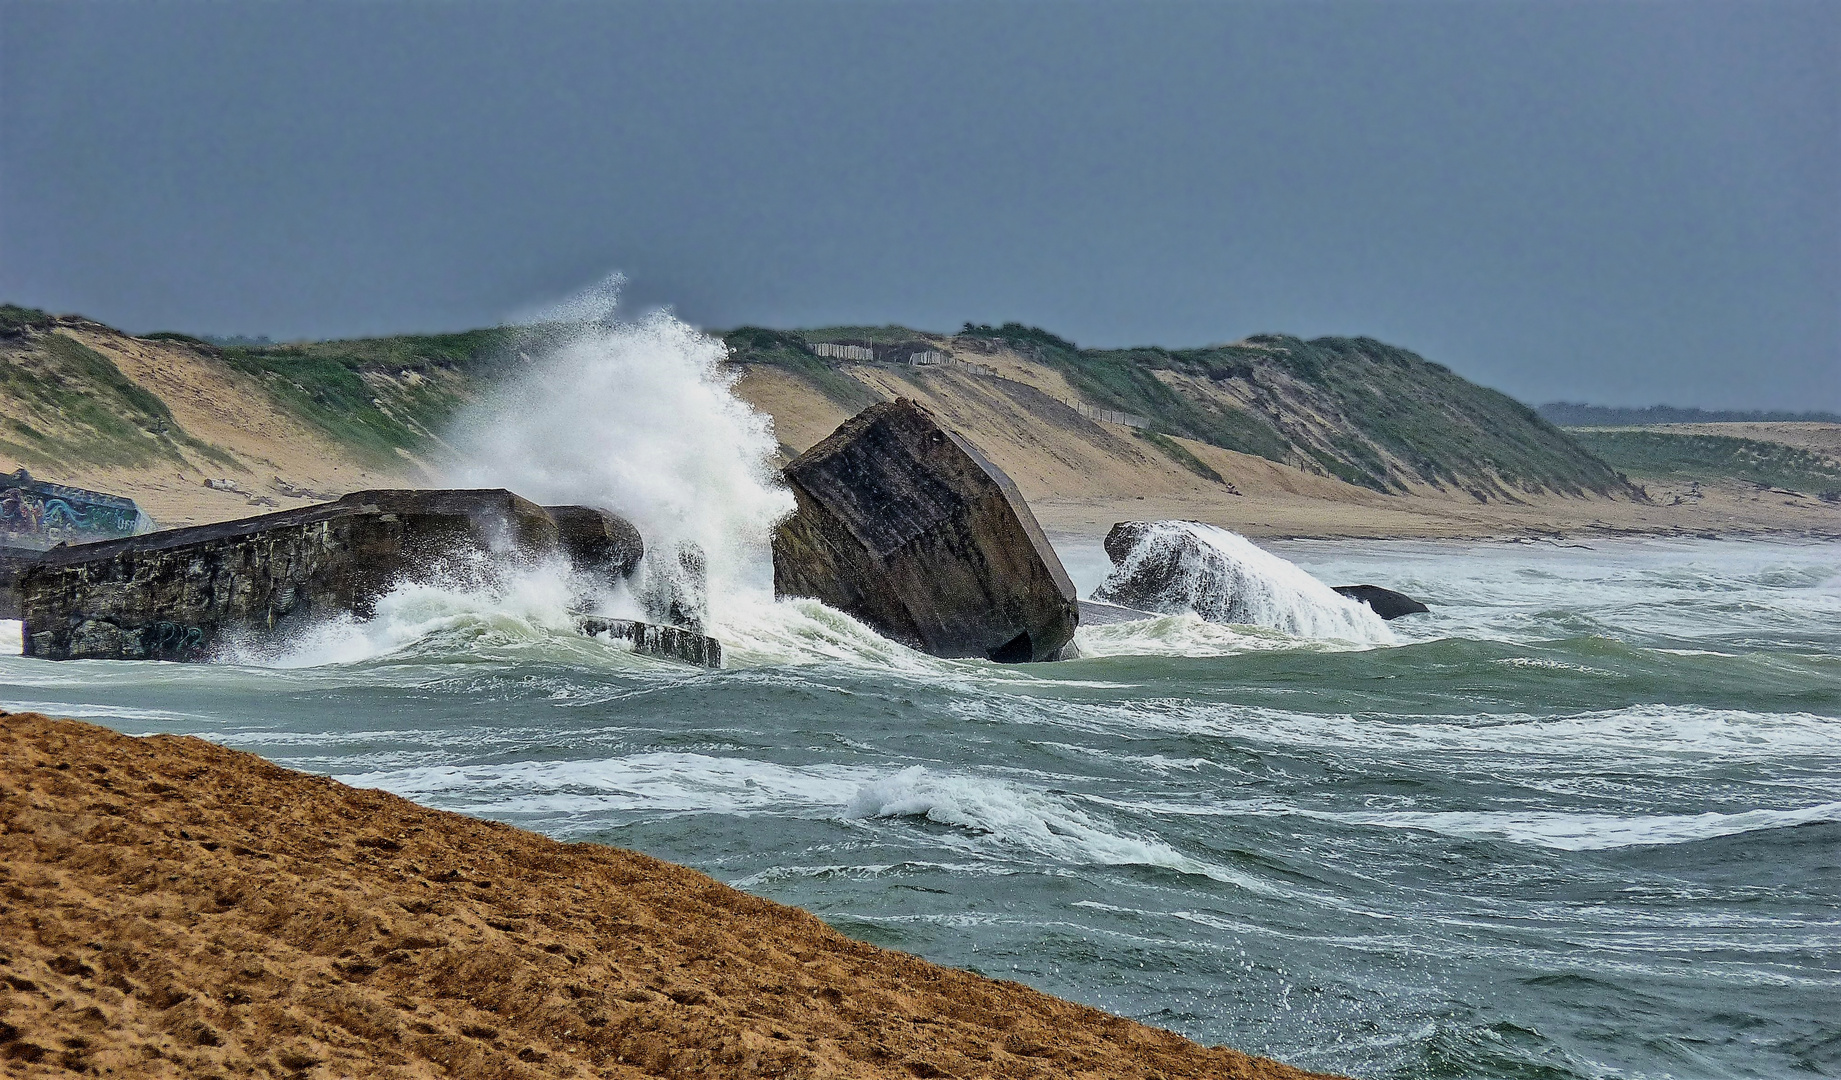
[[1079, 475], [175, 908]]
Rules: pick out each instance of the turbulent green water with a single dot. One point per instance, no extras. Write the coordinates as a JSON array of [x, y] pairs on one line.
[[1583, 820]]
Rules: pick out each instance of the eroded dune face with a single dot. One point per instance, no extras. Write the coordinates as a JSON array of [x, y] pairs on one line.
[[175, 908]]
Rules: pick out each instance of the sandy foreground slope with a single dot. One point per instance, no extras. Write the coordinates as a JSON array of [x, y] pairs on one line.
[[170, 907]]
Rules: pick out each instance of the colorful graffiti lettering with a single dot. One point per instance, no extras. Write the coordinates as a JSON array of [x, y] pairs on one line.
[[39, 514]]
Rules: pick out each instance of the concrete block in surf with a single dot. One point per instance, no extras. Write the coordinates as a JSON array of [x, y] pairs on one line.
[[1387, 603], [36, 514], [908, 527], [1171, 567], [183, 593]]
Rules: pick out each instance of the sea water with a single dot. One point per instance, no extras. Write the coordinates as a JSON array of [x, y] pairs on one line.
[[1584, 819], [1581, 820]]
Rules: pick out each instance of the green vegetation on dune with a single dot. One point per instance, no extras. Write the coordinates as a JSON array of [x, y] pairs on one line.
[[14, 319], [1569, 414], [1354, 408], [1180, 454], [881, 335], [85, 407], [378, 396], [786, 350], [1663, 455], [1365, 412], [1369, 413]]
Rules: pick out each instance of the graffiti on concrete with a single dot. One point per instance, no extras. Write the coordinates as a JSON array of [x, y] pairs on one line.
[[34, 513], [172, 641]]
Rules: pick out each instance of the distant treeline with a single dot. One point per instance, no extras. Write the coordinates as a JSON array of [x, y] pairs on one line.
[[1570, 414]]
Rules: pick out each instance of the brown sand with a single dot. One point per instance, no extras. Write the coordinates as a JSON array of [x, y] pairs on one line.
[[170, 907], [213, 402], [1079, 475]]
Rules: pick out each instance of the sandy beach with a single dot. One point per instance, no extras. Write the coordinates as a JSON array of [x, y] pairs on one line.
[[175, 908]]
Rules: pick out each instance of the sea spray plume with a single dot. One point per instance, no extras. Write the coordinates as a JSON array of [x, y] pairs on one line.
[[640, 418], [1179, 566]]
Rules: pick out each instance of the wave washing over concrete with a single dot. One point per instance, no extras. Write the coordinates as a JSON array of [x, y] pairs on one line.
[[640, 418], [1226, 578]]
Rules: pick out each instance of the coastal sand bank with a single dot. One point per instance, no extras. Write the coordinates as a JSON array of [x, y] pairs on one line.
[[171, 907], [1080, 474]]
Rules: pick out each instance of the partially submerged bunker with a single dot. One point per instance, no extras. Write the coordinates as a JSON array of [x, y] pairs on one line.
[[181, 593], [908, 527]]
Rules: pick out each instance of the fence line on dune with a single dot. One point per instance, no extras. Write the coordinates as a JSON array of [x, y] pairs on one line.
[[940, 359], [842, 352], [1109, 416]]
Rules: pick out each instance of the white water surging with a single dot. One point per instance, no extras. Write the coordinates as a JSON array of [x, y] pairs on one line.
[[1226, 578], [640, 418]]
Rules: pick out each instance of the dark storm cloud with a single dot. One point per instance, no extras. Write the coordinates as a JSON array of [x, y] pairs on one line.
[[1613, 202]]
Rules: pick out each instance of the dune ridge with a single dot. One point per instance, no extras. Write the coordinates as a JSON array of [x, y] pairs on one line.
[[171, 907]]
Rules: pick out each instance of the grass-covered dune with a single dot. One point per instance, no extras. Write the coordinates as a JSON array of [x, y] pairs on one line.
[[1355, 409], [1369, 413], [1670, 455]]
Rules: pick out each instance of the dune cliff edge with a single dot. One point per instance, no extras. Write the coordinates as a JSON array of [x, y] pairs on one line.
[[171, 907]]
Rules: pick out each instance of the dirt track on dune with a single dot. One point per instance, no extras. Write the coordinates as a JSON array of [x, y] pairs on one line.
[[170, 907]]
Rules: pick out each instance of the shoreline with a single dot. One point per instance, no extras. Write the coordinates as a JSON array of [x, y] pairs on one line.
[[175, 907], [1721, 515]]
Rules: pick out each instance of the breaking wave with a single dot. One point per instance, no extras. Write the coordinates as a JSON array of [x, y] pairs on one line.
[[1226, 578], [639, 418]]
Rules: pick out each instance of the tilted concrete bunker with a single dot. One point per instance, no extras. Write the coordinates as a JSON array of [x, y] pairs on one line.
[[906, 526]]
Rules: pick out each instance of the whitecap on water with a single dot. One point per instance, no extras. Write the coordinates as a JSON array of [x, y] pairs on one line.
[[670, 782], [1190, 635], [1019, 817], [1638, 732], [1591, 832]]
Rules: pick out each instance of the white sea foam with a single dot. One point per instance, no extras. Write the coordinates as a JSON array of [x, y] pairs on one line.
[[1226, 578], [640, 418], [513, 604], [1591, 832], [12, 637], [1189, 634], [988, 811], [1019, 817], [1561, 830], [799, 630], [1638, 732], [665, 782]]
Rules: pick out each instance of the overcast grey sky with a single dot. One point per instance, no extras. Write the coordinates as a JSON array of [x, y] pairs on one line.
[[1614, 202]]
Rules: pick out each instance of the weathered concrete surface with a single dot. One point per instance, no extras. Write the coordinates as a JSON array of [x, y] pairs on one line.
[[14, 562], [1386, 603], [597, 540], [671, 642], [173, 595], [906, 526], [180, 594]]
